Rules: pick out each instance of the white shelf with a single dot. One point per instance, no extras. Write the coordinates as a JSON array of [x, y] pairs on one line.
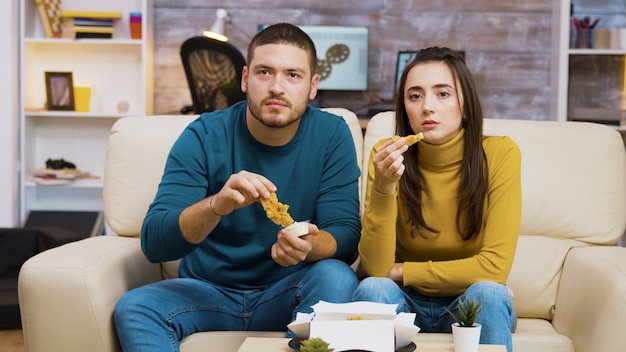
[[118, 69], [69, 41], [46, 113], [80, 183], [597, 51]]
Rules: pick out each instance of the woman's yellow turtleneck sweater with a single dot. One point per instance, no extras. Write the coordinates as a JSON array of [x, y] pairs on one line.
[[443, 264]]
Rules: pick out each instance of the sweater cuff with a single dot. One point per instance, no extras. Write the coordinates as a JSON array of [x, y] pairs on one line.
[[380, 203]]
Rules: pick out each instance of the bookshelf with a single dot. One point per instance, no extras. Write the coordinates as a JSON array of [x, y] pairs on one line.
[[119, 71], [612, 14]]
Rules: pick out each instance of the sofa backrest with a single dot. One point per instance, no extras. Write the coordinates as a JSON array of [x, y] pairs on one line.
[[136, 153], [137, 150], [573, 193]]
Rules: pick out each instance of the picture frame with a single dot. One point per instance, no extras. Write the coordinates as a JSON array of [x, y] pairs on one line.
[[59, 90], [404, 57]]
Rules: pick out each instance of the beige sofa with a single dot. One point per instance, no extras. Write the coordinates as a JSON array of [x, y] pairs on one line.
[[568, 277]]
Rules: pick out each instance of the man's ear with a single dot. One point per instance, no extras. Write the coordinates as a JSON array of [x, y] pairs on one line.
[[315, 81]]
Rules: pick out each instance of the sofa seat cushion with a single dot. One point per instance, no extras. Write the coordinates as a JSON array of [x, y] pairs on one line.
[[532, 335], [538, 335]]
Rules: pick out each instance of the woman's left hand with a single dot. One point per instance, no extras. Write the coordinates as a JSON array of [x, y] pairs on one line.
[[396, 272]]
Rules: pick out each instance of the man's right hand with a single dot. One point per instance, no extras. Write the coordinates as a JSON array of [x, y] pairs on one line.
[[241, 190]]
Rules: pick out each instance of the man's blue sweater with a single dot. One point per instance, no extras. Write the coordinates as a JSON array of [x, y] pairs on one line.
[[316, 174]]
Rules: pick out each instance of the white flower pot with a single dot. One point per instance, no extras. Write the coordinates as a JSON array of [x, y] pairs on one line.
[[466, 339]]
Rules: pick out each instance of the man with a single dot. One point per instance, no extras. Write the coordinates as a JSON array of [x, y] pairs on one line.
[[240, 271]]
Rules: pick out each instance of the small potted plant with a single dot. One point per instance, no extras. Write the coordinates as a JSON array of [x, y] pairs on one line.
[[465, 331], [315, 344]]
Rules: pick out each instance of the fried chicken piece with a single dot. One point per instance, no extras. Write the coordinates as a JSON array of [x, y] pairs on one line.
[[276, 211], [358, 317], [411, 139]]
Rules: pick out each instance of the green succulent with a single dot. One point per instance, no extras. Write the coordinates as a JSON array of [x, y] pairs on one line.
[[315, 344], [468, 311]]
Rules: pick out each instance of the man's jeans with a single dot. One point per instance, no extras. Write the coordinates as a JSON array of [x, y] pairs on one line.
[[497, 317], [157, 316]]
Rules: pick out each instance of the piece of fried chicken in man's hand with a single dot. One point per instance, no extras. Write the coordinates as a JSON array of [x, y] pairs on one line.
[[276, 211]]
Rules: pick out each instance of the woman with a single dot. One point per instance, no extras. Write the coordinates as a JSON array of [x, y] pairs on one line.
[[442, 217]]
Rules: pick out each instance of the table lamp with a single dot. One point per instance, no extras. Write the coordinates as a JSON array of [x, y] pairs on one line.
[[218, 29]]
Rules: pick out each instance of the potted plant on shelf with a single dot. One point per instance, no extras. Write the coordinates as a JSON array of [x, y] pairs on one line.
[[465, 332]]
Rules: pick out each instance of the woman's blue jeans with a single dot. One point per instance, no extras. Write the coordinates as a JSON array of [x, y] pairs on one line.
[[497, 317], [155, 317]]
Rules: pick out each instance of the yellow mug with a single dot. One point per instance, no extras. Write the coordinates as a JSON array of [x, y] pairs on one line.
[[82, 96]]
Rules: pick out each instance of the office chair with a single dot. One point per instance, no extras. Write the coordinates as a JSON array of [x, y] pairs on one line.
[[213, 70]]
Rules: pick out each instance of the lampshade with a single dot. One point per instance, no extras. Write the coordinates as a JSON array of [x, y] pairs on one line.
[[218, 29]]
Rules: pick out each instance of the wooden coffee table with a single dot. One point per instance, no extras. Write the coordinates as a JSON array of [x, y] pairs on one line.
[[279, 344]]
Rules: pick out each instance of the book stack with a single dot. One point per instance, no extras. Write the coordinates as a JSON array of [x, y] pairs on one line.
[[88, 24]]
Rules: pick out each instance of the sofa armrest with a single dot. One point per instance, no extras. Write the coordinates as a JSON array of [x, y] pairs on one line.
[[67, 294], [591, 302]]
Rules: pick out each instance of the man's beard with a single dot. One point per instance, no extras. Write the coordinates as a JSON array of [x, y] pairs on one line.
[[269, 121]]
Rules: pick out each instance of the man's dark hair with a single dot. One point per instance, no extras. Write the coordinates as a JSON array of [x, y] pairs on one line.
[[284, 33]]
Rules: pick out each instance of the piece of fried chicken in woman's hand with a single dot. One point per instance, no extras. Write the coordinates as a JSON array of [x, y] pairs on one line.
[[410, 139]]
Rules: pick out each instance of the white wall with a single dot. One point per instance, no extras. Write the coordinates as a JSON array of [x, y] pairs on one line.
[[9, 104]]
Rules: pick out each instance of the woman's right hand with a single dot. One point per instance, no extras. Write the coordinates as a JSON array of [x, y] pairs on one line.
[[389, 165]]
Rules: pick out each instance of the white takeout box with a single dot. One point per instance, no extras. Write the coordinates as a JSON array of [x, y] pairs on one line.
[[379, 327]]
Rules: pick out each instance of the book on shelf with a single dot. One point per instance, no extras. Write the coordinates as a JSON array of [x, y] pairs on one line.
[[70, 22], [111, 15], [78, 32], [62, 174], [50, 16], [55, 177], [91, 35], [613, 117]]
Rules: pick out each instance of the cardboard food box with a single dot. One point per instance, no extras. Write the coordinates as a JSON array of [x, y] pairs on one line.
[[357, 326]]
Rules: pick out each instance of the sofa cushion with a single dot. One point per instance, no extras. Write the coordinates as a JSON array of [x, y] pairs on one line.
[[594, 212], [127, 195]]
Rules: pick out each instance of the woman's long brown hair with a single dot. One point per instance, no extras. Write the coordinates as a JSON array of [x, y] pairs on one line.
[[473, 172]]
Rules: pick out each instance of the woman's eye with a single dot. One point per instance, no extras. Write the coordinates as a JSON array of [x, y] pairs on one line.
[[444, 94]]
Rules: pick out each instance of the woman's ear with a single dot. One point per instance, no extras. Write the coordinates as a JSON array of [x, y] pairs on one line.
[[244, 79]]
